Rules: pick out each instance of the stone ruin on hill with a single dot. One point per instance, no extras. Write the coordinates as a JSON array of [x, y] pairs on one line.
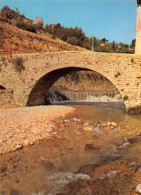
[[39, 21]]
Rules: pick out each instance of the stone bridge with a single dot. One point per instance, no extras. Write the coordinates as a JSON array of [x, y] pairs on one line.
[[42, 69]]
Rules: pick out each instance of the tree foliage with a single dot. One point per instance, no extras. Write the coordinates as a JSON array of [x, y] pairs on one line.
[[73, 36], [27, 27]]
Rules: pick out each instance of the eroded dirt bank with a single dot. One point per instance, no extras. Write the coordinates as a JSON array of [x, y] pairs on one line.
[[20, 127]]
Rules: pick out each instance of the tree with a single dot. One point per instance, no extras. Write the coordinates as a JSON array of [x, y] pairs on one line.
[[104, 40], [113, 46], [18, 12], [133, 43]]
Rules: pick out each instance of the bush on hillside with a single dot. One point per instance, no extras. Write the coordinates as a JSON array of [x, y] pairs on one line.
[[28, 27], [18, 64]]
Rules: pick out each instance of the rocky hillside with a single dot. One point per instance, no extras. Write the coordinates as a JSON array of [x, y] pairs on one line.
[[24, 41]]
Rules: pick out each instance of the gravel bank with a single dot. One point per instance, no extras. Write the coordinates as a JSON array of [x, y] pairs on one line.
[[20, 127]]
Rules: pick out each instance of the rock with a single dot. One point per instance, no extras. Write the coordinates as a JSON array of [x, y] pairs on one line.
[[54, 133], [113, 124], [138, 188], [86, 123], [85, 191], [66, 121], [25, 142], [90, 147], [135, 192], [14, 192], [47, 164], [19, 146], [108, 123], [1, 141], [3, 168], [113, 168], [104, 124], [76, 120], [87, 169], [58, 136], [78, 133], [17, 131], [112, 127], [88, 128], [79, 121]]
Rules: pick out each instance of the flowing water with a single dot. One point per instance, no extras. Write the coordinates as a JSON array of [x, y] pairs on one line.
[[55, 97], [94, 150]]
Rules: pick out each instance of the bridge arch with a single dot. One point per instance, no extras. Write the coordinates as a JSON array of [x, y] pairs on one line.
[[38, 93], [2, 87]]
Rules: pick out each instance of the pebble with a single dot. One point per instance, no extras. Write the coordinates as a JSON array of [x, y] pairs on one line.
[[90, 147], [78, 133], [112, 127], [138, 188], [88, 128], [66, 121], [25, 142], [3, 168], [113, 124], [104, 124], [108, 123], [47, 164], [58, 136], [76, 120], [86, 123]]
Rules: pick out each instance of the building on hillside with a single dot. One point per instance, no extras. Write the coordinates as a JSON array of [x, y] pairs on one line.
[[39, 21], [138, 29]]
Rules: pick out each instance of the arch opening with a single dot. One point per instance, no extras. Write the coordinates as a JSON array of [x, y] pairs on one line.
[[2, 87], [39, 93]]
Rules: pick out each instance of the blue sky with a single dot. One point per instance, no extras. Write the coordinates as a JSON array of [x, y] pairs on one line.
[[111, 19]]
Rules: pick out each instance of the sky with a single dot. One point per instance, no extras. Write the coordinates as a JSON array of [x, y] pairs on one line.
[[110, 19]]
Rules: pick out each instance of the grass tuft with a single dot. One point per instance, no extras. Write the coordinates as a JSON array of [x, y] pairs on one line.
[[18, 64]]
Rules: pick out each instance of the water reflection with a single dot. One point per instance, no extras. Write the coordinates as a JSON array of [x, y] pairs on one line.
[[107, 112]]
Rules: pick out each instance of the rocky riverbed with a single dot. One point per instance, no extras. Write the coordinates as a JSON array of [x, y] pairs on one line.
[[76, 157], [20, 127]]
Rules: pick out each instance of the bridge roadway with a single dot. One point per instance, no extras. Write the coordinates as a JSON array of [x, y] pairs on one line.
[[43, 69]]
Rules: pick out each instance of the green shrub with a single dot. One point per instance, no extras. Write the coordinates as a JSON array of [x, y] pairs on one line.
[[18, 64], [27, 27], [125, 97], [72, 40]]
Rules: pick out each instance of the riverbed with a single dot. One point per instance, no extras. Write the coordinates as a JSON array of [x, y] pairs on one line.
[[93, 150]]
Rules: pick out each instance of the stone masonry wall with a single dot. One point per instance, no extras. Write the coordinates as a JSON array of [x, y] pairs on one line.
[[43, 69], [6, 97]]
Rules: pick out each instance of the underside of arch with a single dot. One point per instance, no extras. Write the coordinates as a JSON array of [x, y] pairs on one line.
[[39, 91], [2, 87]]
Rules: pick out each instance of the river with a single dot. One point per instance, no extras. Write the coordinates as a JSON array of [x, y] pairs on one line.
[[94, 150]]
